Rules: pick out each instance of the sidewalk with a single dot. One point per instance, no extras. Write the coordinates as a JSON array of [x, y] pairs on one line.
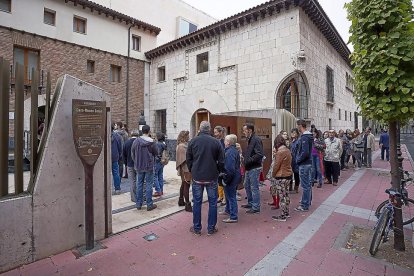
[[308, 243]]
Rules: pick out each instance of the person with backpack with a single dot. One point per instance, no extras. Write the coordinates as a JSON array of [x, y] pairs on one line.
[[161, 160]]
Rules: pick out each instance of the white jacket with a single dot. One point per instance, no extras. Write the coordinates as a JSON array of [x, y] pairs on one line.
[[333, 150]]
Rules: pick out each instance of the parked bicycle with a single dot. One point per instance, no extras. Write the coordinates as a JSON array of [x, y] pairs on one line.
[[385, 213]]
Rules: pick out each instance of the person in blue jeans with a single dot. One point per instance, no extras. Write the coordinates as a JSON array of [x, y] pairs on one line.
[[159, 167], [303, 157], [143, 152], [205, 161], [231, 178], [116, 155], [384, 144], [252, 159]]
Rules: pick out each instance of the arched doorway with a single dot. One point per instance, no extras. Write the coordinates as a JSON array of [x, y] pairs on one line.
[[292, 95], [198, 116]]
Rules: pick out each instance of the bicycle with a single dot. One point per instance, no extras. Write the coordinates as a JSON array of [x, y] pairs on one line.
[[385, 214]]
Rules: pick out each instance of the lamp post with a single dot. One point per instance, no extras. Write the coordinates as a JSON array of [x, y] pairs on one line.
[[141, 122]]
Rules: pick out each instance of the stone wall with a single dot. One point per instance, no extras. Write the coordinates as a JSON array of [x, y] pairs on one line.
[[61, 58]]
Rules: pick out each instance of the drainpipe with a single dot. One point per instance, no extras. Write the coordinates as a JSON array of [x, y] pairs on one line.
[[127, 76]]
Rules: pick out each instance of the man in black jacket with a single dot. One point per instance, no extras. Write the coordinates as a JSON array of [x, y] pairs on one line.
[[205, 160], [252, 159]]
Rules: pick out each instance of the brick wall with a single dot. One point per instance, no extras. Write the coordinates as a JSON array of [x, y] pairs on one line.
[[64, 58]]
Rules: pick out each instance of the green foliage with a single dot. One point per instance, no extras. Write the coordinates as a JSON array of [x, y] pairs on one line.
[[382, 33]]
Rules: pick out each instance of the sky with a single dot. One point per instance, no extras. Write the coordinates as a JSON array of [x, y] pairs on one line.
[[221, 9]]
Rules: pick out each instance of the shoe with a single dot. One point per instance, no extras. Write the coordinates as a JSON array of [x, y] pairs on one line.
[[280, 218], [229, 220], [211, 232], [319, 186], [196, 233], [156, 194], [139, 208], [335, 184], [188, 207], [301, 209], [251, 211], [220, 200], [152, 207], [223, 204], [369, 166], [247, 206], [223, 213], [181, 202], [327, 182], [117, 192]]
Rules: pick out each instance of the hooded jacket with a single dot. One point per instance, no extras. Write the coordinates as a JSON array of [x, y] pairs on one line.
[[116, 147], [143, 152], [304, 149]]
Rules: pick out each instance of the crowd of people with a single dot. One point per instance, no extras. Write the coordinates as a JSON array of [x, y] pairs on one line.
[[217, 164]]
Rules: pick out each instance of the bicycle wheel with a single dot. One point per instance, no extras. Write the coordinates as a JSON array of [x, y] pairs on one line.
[[379, 231], [408, 211]]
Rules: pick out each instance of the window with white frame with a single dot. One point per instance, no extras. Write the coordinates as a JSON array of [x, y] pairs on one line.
[[49, 17], [136, 43], [202, 63], [185, 27], [115, 73], [79, 25], [161, 73], [5, 5]]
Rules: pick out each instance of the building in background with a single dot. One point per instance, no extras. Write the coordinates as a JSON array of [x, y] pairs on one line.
[[281, 55]]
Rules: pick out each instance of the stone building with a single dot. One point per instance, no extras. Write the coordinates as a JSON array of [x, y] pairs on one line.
[[281, 55], [81, 38]]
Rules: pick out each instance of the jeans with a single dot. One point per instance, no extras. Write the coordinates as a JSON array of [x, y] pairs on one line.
[[387, 151], [231, 206], [343, 158], [149, 178], [332, 171], [251, 184], [358, 157], [159, 177], [369, 158], [115, 175], [132, 178], [198, 190], [316, 169], [305, 175]]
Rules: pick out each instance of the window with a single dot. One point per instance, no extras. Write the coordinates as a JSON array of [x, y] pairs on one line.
[[160, 121], [202, 63], [329, 85], [136, 43], [79, 25], [349, 82], [350, 116], [29, 59], [5, 5], [90, 66], [330, 123], [115, 73], [340, 114], [161, 73], [49, 17], [185, 27], [293, 96], [346, 115]]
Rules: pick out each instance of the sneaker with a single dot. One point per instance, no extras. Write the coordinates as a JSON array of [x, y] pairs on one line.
[[335, 183], [251, 211], [139, 208], [223, 203], [152, 207], [280, 218], [196, 233], [319, 186], [247, 206], [301, 209], [223, 213], [229, 220], [212, 232], [156, 194]]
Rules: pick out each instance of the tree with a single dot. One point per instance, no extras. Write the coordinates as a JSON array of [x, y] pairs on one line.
[[382, 32]]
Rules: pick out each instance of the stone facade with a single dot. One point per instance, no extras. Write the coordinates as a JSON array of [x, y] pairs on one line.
[[248, 66], [61, 58]]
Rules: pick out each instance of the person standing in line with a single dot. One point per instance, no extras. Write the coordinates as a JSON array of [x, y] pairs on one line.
[[143, 153], [384, 144], [364, 154], [332, 157], [294, 133], [116, 155], [318, 147], [159, 167], [345, 149], [350, 153], [370, 146], [182, 169], [286, 137], [358, 147], [205, 160], [253, 157], [303, 158], [282, 177], [231, 178], [219, 133], [119, 128], [129, 162]]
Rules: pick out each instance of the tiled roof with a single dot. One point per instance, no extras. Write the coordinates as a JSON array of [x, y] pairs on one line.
[[86, 4], [311, 7]]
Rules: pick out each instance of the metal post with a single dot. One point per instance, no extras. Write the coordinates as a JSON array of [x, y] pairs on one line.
[[18, 129], [34, 123], [4, 126], [47, 108]]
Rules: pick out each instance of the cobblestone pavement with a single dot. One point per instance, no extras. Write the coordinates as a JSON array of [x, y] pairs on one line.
[[309, 243]]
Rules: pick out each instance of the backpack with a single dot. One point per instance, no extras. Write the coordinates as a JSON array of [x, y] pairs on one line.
[[165, 157]]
